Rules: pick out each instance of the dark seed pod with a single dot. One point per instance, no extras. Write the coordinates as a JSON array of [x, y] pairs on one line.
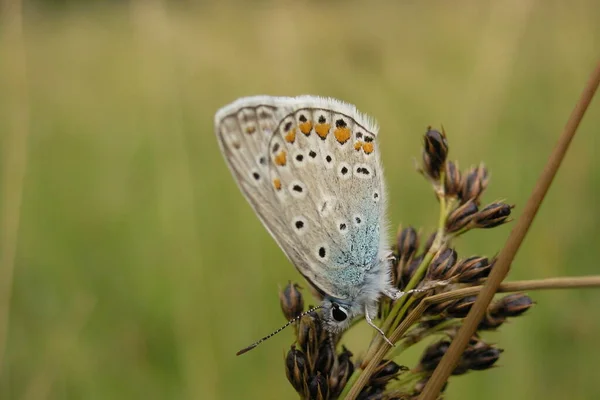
[[441, 264], [341, 373], [435, 151], [453, 180], [318, 387], [385, 372], [480, 357], [461, 307], [490, 322], [433, 355], [492, 215], [461, 217], [292, 303], [309, 337], [296, 369], [512, 305], [409, 271], [407, 243], [474, 184], [472, 269], [325, 358]]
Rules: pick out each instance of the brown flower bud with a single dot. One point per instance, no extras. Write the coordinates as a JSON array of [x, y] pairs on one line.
[[460, 308], [292, 303], [490, 322], [474, 183], [461, 216], [409, 271], [432, 355], [480, 356], [435, 151], [492, 215], [318, 387], [472, 269], [453, 180], [441, 264], [512, 305], [408, 243], [296, 369], [310, 335], [385, 372], [341, 373], [325, 358]]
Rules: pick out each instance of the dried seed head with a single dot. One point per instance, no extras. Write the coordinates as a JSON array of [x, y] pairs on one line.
[[432, 355], [409, 270], [310, 335], [441, 264], [296, 369], [341, 373], [480, 356], [385, 372], [461, 216], [492, 215], [318, 387], [489, 322], [292, 303], [512, 305], [325, 358], [472, 269], [435, 151], [460, 308], [475, 182], [453, 180], [407, 243]]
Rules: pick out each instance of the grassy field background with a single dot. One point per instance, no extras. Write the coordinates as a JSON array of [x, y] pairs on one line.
[[139, 268]]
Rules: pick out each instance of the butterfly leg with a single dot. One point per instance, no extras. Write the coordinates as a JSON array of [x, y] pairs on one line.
[[393, 293], [370, 322]]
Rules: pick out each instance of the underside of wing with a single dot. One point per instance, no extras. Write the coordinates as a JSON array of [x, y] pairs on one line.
[[310, 168]]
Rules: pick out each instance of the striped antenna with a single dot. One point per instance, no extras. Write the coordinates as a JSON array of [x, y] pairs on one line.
[[291, 321]]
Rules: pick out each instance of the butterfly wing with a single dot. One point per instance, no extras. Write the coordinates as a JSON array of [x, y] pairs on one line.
[[311, 170]]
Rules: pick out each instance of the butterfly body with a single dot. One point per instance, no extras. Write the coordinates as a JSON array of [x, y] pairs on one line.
[[310, 168]]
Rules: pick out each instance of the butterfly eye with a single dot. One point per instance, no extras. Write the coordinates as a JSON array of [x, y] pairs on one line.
[[338, 313]]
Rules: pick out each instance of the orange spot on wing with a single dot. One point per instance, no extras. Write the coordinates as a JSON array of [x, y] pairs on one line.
[[281, 158], [368, 148], [277, 184], [358, 145], [291, 135], [250, 129], [322, 130], [342, 135], [305, 127]]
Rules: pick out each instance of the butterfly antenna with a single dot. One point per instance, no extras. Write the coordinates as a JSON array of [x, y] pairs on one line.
[[291, 321]]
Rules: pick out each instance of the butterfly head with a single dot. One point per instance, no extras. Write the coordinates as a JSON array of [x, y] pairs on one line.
[[338, 315]]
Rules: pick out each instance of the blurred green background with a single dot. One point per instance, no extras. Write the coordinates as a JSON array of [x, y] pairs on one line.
[[140, 270]]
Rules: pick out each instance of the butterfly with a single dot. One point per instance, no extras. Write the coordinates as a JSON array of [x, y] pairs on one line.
[[310, 167]]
